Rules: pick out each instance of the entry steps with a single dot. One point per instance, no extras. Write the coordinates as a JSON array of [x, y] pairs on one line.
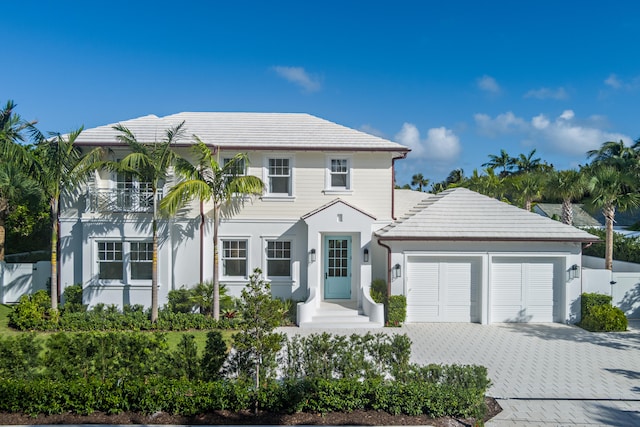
[[339, 315]]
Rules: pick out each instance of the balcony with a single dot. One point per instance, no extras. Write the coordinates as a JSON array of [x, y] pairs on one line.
[[128, 200]]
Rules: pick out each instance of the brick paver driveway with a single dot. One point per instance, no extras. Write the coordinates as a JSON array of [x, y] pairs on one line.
[[549, 374]]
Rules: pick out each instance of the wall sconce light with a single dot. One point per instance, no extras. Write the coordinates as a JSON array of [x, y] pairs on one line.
[[574, 272], [312, 255], [366, 255], [397, 271]]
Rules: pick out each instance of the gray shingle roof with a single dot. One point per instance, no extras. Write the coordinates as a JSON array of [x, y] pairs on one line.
[[580, 217], [461, 214], [245, 131]]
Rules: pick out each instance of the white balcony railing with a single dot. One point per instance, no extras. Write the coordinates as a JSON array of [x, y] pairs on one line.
[[112, 200]]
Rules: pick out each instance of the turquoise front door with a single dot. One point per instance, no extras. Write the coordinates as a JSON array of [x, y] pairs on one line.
[[337, 267]]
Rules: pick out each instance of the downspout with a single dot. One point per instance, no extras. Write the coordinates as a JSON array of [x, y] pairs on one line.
[[393, 192], [388, 265]]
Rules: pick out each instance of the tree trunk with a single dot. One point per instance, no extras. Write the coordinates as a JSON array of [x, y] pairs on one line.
[[54, 252], [216, 278], [154, 263], [3, 237], [609, 215], [527, 205], [567, 211]]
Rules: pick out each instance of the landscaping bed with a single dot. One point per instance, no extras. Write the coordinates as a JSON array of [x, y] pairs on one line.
[[249, 418]]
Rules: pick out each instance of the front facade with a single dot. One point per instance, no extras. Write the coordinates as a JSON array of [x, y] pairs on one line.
[[323, 229]]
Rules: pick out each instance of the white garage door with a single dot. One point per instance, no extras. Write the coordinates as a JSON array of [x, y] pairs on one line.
[[442, 289], [522, 291]]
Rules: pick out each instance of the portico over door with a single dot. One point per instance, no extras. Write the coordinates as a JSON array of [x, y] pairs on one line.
[[337, 267]]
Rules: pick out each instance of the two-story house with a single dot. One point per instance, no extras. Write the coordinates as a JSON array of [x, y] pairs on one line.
[[323, 229]]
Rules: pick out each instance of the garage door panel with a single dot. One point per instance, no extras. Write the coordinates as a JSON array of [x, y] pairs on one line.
[[440, 289], [522, 290]]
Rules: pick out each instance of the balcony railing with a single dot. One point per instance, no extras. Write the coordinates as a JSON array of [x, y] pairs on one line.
[[113, 200]]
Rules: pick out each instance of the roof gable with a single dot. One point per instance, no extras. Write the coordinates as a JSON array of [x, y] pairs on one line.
[[461, 214], [333, 203], [247, 131]]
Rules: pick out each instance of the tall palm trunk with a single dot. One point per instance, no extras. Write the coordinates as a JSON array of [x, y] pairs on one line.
[[55, 213], [567, 211], [3, 236], [216, 260], [609, 216], [154, 262]]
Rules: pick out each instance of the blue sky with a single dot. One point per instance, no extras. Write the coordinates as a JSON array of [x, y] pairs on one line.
[[455, 81]]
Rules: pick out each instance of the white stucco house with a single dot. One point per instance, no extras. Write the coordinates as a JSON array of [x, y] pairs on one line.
[[328, 223]]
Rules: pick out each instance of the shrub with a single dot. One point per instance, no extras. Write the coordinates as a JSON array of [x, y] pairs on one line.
[[180, 301], [72, 297], [397, 312], [604, 318], [590, 300], [32, 312], [19, 356], [215, 354], [379, 291]]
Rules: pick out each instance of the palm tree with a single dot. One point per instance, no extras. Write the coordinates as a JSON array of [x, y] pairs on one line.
[[503, 160], [568, 185], [611, 189], [489, 184], [615, 154], [526, 164], [15, 185], [208, 180], [12, 130], [419, 181], [59, 168], [149, 163], [528, 188]]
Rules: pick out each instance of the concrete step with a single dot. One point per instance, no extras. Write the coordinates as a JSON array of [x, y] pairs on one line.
[[342, 315]]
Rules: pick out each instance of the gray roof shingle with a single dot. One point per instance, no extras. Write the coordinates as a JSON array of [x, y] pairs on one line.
[[461, 214], [243, 131]]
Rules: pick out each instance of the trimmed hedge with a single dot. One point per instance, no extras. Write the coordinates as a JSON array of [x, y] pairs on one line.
[[184, 397], [598, 315]]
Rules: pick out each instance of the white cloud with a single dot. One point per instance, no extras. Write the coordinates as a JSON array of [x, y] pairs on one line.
[[298, 76], [488, 84], [613, 81], [563, 134], [503, 123], [441, 144], [546, 93], [367, 128], [617, 83]]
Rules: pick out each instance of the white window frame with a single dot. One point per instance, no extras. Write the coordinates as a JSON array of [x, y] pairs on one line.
[[126, 261], [290, 196], [328, 187], [148, 254], [223, 257], [268, 258], [227, 158]]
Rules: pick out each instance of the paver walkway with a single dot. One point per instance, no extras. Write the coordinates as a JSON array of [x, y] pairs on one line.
[[542, 374]]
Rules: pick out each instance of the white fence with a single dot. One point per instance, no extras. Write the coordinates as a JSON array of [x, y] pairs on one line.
[[20, 279], [625, 288]]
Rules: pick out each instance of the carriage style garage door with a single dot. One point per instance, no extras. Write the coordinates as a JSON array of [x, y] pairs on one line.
[[443, 289], [522, 290]]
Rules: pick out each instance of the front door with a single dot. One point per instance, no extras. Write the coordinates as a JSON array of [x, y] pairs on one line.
[[337, 267]]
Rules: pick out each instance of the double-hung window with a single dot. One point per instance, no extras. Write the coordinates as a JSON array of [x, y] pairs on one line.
[[110, 261], [234, 258], [338, 174], [279, 176], [237, 167], [278, 258], [132, 194], [141, 257], [124, 261]]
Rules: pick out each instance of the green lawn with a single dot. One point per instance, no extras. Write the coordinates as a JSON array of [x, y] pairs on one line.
[[173, 338]]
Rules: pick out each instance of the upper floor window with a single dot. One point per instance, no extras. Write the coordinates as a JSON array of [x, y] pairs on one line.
[[234, 258], [279, 176], [278, 258], [339, 173]]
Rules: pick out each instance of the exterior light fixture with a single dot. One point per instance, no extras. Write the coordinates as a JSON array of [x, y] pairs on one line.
[[366, 255], [312, 255], [397, 271], [574, 272]]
